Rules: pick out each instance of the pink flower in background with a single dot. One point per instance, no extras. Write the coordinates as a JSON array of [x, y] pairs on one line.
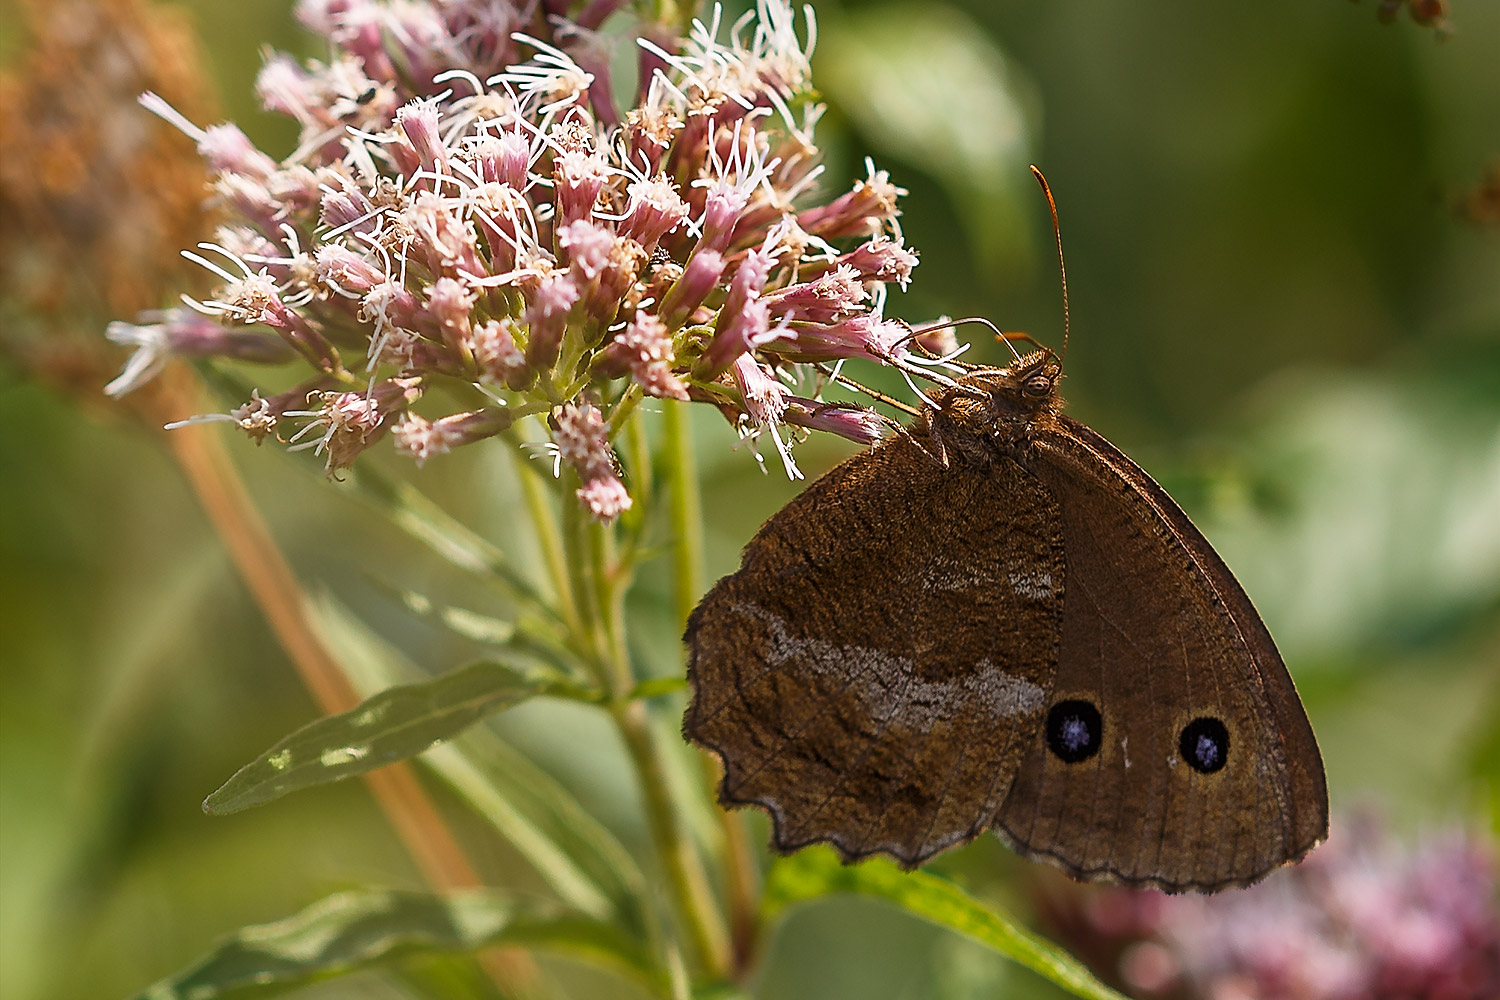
[[1362, 918]]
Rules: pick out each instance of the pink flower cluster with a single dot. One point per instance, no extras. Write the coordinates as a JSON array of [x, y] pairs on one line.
[[471, 231], [1360, 919]]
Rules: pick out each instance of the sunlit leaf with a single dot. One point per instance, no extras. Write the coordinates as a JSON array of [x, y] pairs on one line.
[[816, 872], [354, 930], [397, 723]]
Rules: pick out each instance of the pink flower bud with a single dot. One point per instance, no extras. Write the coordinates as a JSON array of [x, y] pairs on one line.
[[864, 211], [764, 396], [688, 292], [824, 299], [450, 304], [605, 498], [721, 210], [862, 336], [644, 349], [616, 281], [419, 121], [186, 334], [578, 431], [744, 321], [881, 259], [503, 159], [422, 438], [852, 422], [587, 246], [228, 150], [440, 238], [500, 360], [547, 310], [655, 210], [347, 271], [578, 178], [351, 421]]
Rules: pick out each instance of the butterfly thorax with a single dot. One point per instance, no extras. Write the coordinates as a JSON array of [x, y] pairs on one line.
[[993, 412]]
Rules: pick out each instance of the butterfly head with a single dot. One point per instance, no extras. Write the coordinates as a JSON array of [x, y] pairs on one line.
[[1021, 390], [988, 408]]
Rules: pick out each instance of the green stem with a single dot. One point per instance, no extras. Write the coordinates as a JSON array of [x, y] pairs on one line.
[[686, 880], [692, 900], [687, 512], [539, 505], [687, 522]]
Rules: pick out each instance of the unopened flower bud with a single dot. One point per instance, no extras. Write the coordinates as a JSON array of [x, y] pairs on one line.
[[499, 358], [578, 431], [687, 292], [422, 438], [852, 422], [547, 310]]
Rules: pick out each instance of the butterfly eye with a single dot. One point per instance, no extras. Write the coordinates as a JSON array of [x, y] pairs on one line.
[[1037, 385]]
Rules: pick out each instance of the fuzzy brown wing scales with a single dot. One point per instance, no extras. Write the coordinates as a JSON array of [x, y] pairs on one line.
[[875, 671], [1159, 635]]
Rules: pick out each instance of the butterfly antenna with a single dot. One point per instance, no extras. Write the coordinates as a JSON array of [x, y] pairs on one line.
[[879, 397], [1004, 336], [1061, 267]]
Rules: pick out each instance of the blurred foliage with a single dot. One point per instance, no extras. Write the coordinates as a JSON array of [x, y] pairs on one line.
[[1276, 308]]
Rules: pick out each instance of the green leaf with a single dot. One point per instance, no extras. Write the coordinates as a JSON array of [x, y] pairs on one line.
[[434, 527], [397, 723], [655, 687], [577, 856], [817, 872], [354, 930], [528, 635]]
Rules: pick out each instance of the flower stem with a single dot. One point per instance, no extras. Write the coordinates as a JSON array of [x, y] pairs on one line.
[[687, 523], [692, 900], [687, 513]]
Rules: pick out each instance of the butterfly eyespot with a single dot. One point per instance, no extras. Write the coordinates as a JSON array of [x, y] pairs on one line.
[[1074, 731], [1204, 744]]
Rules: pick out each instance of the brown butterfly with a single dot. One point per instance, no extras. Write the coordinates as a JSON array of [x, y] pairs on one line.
[[996, 619]]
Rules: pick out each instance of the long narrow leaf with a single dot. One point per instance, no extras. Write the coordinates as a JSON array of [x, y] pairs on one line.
[[434, 527], [572, 851], [567, 846], [354, 930], [817, 872], [397, 723]]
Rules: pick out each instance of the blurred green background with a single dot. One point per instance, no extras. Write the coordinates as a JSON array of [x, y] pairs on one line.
[[1276, 309]]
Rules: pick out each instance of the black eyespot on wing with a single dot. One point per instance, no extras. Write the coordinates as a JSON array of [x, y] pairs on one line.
[[1074, 731], [1204, 744]]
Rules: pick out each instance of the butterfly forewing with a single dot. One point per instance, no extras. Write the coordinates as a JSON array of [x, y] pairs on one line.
[[875, 672], [1206, 771]]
